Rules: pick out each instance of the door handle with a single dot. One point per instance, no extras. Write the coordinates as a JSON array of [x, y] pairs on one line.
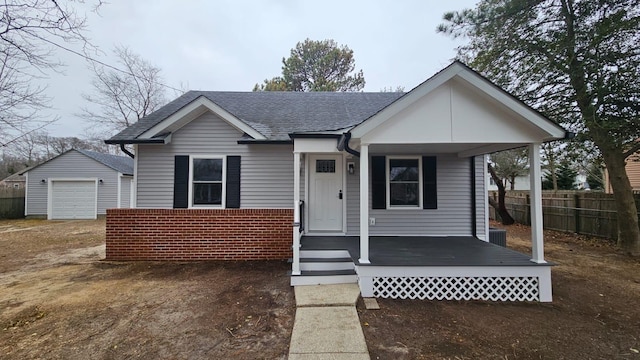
[[340, 195]]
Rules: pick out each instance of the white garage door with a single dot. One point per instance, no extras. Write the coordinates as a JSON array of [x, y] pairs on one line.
[[73, 200]]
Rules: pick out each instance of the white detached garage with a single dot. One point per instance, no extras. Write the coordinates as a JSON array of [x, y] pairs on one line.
[[79, 184]]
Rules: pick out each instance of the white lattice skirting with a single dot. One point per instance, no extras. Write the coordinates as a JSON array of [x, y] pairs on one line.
[[458, 288]]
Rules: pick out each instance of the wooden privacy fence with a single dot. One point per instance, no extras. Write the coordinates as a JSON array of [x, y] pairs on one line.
[[11, 203], [581, 212]]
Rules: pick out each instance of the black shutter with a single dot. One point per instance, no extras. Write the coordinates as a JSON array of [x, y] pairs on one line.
[[429, 184], [233, 182], [181, 182], [378, 182]]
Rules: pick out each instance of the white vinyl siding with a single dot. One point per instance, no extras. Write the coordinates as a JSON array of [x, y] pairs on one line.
[[266, 179], [452, 217], [71, 165]]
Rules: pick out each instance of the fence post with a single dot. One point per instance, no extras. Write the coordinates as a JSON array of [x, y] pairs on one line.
[[576, 212]]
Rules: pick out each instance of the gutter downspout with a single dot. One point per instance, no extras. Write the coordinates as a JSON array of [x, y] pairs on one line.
[[343, 144], [124, 150]]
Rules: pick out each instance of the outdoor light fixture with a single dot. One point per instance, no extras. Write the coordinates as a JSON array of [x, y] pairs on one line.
[[43, 181], [351, 167], [100, 181]]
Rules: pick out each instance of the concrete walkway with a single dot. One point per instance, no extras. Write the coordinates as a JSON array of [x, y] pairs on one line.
[[327, 324]]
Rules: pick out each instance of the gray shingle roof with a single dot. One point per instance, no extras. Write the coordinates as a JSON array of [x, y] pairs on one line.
[[278, 114], [122, 164]]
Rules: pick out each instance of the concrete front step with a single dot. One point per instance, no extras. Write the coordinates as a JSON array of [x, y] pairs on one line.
[[323, 280], [323, 277], [326, 264]]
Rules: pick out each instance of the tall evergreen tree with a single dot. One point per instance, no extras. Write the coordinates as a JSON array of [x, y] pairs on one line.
[[565, 178], [317, 66], [578, 62]]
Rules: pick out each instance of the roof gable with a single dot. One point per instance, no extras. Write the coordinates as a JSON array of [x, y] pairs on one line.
[[193, 110], [457, 105]]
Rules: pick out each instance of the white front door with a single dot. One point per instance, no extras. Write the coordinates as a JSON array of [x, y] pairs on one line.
[[325, 193]]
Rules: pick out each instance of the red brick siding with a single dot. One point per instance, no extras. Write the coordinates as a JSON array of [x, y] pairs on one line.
[[203, 234]]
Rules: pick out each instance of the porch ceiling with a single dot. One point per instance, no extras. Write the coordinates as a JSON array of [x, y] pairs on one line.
[[423, 251]]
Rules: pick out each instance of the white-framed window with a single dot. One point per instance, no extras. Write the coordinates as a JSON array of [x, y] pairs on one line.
[[207, 174], [404, 182]]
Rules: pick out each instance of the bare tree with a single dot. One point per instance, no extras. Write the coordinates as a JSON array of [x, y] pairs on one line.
[[121, 98], [500, 206], [30, 30], [504, 168], [510, 164], [28, 149]]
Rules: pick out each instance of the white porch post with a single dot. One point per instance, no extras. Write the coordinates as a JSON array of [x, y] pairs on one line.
[[295, 267], [364, 204], [537, 235]]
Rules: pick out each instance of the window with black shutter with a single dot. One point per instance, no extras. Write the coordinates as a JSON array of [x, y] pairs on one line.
[[206, 181]]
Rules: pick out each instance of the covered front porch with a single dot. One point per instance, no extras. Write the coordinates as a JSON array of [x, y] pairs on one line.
[[440, 268], [406, 191], [421, 251]]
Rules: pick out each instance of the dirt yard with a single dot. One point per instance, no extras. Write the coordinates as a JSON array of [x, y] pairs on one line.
[[595, 313], [58, 300]]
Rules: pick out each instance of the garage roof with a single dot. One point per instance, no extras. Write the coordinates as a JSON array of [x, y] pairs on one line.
[[122, 164]]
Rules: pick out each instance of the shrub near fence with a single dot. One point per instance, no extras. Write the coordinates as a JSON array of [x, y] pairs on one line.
[[582, 212], [11, 203]]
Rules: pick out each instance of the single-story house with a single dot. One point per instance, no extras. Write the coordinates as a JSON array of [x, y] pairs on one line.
[[79, 184], [520, 183], [524, 183], [14, 181], [384, 189]]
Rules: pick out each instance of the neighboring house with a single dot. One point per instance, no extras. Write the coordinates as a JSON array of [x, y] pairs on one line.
[[79, 184], [386, 189], [15, 181], [633, 172], [521, 183]]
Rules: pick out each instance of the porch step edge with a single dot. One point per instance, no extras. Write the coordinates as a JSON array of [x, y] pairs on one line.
[[327, 272], [332, 260], [320, 266]]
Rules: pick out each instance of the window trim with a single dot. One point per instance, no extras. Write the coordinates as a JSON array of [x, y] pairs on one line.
[[388, 182], [224, 181]]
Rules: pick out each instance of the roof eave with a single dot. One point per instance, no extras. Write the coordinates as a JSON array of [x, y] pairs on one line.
[[264, 142], [162, 139], [314, 136], [134, 141]]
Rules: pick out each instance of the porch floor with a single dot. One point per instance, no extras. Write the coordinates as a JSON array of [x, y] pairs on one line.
[[422, 251]]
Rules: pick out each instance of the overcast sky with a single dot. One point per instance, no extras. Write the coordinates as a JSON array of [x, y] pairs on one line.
[[234, 44]]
